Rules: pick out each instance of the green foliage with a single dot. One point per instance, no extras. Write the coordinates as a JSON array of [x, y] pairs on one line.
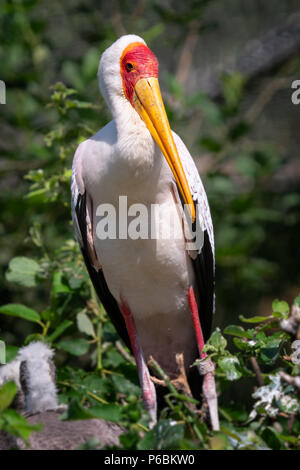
[[11, 421]]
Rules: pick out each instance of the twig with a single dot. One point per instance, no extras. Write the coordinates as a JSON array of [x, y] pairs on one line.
[[264, 97], [168, 382], [181, 381], [154, 365], [257, 371], [186, 56], [290, 424], [294, 381], [124, 353]]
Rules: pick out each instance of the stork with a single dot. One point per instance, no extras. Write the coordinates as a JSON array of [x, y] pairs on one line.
[[158, 291]]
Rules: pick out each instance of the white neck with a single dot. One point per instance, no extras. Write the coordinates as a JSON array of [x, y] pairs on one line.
[[136, 147]]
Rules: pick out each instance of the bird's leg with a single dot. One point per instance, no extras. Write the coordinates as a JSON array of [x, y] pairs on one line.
[[148, 388], [206, 369]]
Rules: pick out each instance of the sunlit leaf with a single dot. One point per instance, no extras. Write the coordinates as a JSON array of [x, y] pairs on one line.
[[7, 393], [75, 346], [231, 367], [23, 271], [21, 311], [84, 324]]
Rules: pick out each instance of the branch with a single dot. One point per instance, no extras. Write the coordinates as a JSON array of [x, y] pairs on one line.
[[187, 51], [257, 371]]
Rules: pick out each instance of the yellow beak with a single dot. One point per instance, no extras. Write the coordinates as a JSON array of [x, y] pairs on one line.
[[148, 103]]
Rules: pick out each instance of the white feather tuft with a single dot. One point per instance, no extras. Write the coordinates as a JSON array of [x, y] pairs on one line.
[[35, 351], [37, 377], [10, 372]]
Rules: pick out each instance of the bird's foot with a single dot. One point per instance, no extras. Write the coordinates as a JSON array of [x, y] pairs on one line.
[[206, 368], [205, 365]]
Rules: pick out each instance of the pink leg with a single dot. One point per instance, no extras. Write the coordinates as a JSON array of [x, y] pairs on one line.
[[148, 388], [209, 386]]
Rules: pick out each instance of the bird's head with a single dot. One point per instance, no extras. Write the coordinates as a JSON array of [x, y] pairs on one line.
[[128, 76]]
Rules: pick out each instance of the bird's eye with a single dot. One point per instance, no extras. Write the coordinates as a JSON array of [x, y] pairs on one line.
[[129, 67]]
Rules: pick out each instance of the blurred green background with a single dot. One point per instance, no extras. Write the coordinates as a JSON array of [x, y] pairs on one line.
[[226, 69]]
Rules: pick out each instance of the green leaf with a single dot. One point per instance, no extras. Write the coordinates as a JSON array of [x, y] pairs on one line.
[[241, 344], [110, 412], [90, 63], [271, 438], [209, 108], [164, 435], [23, 271], [269, 346], [238, 130], [235, 330], [130, 439], [91, 444], [113, 359], [269, 355], [297, 301], [34, 337], [11, 352], [76, 411], [59, 284], [7, 394], [97, 385], [75, 274], [211, 144], [75, 346], [235, 412], [154, 31], [217, 340], [233, 87], [125, 386], [219, 442], [256, 319], [17, 424], [231, 367], [85, 325], [174, 86], [18, 310], [281, 307], [60, 329]]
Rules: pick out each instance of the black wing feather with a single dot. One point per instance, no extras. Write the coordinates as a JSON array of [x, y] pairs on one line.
[[204, 271], [108, 301]]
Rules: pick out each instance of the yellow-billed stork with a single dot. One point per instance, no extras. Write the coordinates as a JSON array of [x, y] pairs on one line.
[[158, 291]]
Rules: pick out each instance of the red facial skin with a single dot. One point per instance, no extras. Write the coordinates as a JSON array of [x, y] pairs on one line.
[[144, 64]]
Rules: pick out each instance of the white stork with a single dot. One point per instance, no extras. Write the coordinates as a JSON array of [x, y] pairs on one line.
[[158, 294]]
